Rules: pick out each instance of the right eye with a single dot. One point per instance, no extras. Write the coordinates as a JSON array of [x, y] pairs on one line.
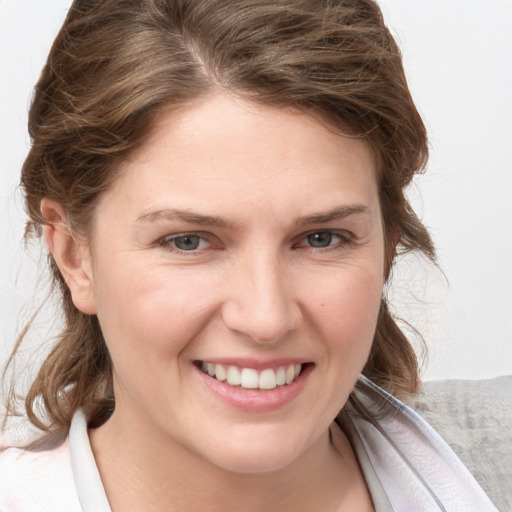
[[327, 239], [187, 242]]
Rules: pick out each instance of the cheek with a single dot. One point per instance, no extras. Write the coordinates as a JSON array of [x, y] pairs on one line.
[[150, 313], [147, 323], [346, 309]]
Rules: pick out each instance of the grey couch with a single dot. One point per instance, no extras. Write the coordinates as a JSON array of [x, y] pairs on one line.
[[475, 418]]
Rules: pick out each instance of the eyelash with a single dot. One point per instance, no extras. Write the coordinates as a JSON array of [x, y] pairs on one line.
[[344, 239]]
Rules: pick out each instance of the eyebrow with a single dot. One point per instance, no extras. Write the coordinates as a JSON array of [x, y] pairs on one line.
[[335, 214], [186, 216], [221, 222]]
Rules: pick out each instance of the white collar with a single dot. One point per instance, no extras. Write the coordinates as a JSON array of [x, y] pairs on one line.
[[416, 467], [91, 493]]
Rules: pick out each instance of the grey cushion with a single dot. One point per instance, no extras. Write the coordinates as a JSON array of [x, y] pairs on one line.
[[475, 419]]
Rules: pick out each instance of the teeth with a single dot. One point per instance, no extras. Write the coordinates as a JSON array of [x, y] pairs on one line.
[[281, 377], [233, 376], [249, 378], [290, 374], [268, 379], [220, 373]]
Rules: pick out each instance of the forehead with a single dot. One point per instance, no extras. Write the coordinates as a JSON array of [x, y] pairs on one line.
[[223, 151]]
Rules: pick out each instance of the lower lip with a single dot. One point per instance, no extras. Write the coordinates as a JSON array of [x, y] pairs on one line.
[[253, 400]]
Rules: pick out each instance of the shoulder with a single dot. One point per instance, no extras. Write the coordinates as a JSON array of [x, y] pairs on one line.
[[475, 419], [37, 481]]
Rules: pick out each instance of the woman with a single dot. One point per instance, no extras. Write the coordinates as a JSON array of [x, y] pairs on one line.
[[221, 191]]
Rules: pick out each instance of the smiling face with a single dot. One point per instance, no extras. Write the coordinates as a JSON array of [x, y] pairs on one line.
[[241, 243]]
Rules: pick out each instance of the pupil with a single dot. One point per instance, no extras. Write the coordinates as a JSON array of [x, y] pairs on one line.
[[187, 243], [321, 239]]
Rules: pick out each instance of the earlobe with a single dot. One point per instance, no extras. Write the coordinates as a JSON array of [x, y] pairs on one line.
[[71, 254]]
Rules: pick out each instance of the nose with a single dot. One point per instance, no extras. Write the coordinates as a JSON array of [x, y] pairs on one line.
[[261, 304]]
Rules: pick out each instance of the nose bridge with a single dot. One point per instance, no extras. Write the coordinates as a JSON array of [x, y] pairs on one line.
[[262, 303]]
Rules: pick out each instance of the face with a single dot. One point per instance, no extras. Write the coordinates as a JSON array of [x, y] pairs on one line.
[[237, 270]]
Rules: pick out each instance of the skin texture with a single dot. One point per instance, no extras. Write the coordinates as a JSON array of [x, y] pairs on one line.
[[254, 291]]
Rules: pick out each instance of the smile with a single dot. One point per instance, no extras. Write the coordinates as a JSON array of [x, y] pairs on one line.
[[249, 378]]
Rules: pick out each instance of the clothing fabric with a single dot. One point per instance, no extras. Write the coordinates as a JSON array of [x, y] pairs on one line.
[[415, 466], [406, 464]]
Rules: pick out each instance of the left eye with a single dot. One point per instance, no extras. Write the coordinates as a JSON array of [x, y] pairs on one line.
[[323, 239], [320, 239], [185, 243]]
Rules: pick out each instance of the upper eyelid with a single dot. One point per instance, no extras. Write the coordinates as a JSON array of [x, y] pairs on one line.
[[341, 232], [172, 236]]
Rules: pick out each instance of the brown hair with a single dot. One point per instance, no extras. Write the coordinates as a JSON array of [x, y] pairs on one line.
[[116, 64]]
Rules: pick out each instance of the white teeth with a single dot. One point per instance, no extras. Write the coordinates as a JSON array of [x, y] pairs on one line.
[[281, 376], [267, 379], [233, 376], [290, 374], [220, 373], [250, 379]]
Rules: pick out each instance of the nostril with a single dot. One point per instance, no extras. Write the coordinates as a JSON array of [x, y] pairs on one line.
[[261, 323]]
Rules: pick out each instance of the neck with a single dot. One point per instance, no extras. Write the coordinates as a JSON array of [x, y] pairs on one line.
[[142, 469]]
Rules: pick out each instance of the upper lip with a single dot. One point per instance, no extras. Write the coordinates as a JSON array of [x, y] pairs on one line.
[[256, 364]]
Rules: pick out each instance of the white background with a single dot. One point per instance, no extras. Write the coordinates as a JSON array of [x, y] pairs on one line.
[[458, 58]]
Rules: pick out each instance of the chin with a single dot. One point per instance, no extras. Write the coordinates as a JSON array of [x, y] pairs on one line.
[[254, 463], [252, 455]]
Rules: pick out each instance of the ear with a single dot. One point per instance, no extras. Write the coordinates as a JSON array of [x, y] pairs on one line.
[[71, 254]]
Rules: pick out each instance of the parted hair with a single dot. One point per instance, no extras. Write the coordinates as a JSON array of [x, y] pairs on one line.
[[116, 64]]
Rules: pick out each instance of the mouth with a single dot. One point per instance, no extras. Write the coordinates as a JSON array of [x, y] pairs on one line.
[[249, 378]]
